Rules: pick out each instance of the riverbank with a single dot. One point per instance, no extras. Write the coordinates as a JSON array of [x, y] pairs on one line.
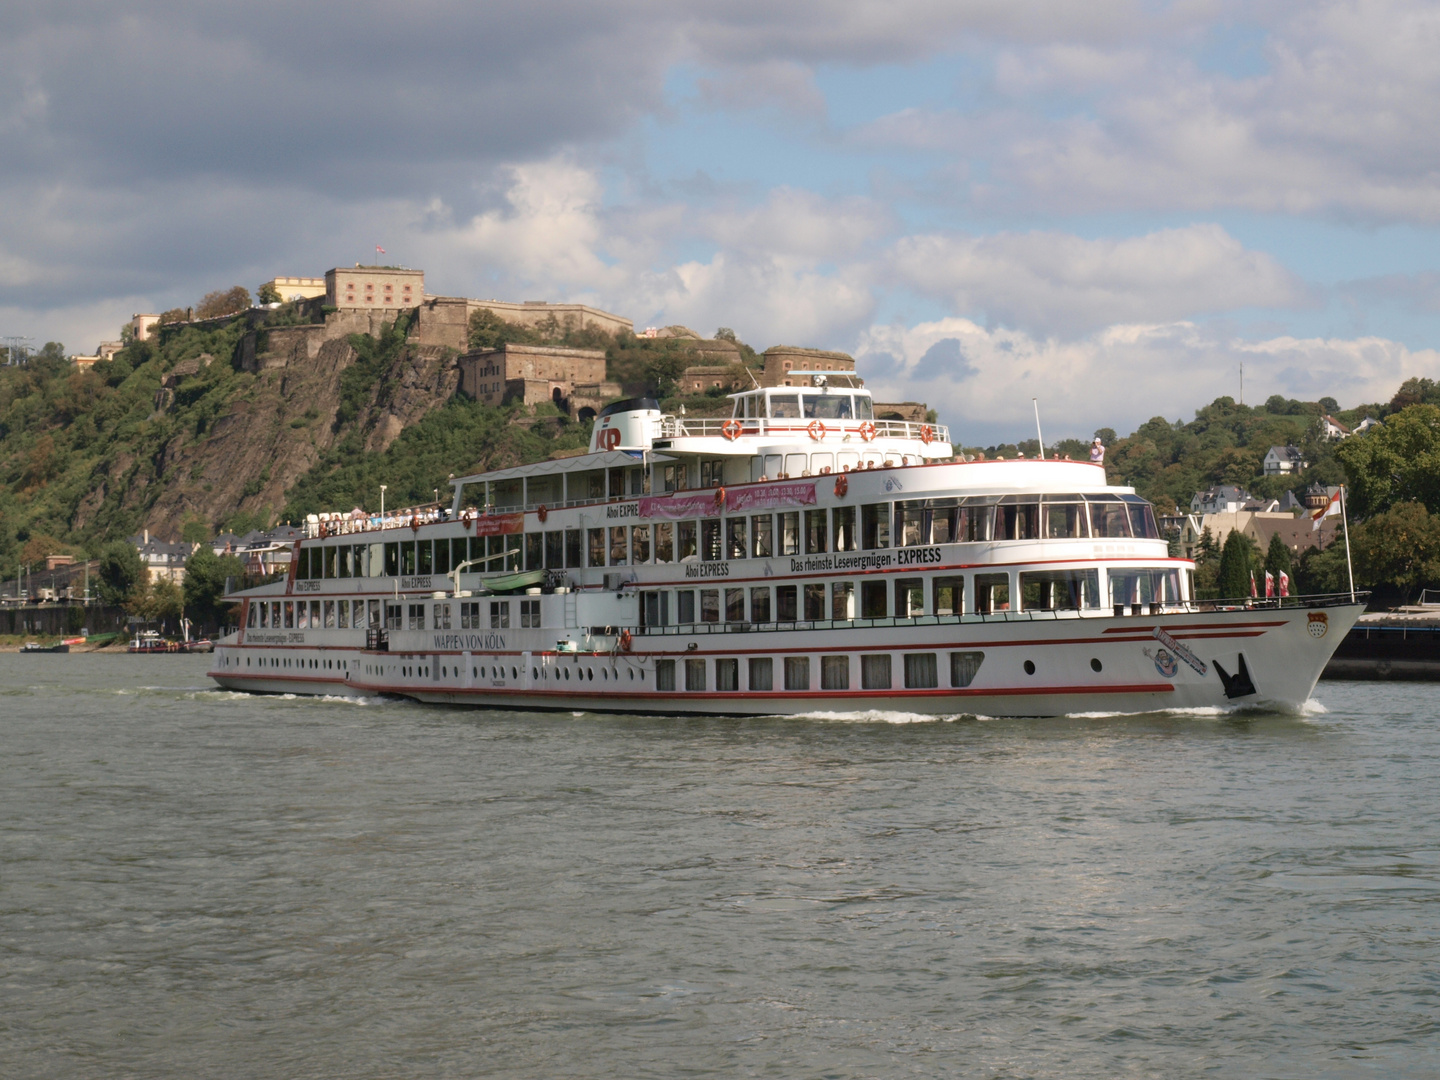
[[12, 643]]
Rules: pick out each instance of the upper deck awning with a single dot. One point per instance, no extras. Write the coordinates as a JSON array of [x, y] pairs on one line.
[[606, 459]]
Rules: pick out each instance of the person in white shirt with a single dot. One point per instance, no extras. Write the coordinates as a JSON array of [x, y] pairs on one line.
[[1097, 451]]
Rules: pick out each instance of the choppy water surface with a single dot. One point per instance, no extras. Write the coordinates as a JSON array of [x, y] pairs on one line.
[[200, 884]]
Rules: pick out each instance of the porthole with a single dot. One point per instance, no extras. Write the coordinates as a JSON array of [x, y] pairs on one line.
[[1029, 667], [1095, 664], [567, 674], [604, 675], [590, 674], [514, 673], [632, 674], [534, 673]]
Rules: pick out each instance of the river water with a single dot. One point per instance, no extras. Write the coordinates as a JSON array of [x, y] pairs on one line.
[[195, 883]]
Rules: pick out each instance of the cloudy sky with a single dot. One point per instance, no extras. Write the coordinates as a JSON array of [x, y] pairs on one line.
[[1110, 206]]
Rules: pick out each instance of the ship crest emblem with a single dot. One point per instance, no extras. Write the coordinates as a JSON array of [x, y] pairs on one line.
[[1318, 625], [1164, 661]]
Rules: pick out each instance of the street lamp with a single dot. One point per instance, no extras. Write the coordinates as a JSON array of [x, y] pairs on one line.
[[382, 506]]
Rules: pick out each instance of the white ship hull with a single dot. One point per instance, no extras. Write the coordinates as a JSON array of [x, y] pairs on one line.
[[1278, 648]]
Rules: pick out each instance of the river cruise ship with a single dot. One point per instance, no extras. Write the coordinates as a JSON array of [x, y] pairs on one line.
[[799, 556]]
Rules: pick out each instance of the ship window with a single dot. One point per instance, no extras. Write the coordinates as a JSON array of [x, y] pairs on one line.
[[773, 465], [727, 674], [864, 407], [686, 533], [665, 542], [709, 605], [842, 601], [790, 533], [597, 546], [534, 551], [442, 616], [817, 532], [1059, 590], [875, 671], [657, 609], [407, 558], [417, 617], [1065, 520], [762, 673], [992, 593], [343, 614], [827, 407], [785, 406], [664, 674], [264, 614], [797, 673], [821, 464], [735, 539], [912, 524], [835, 673], [500, 615], [470, 616], [555, 549], [921, 671], [735, 605], [909, 598], [786, 603], [1148, 586], [685, 606], [425, 557], [762, 532], [694, 674], [1109, 520], [964, 666], [1016, 520], [873, 600], [949, 593], [710, 550], [640, 544], [875, 525], [572, 549], [392, 560], [289, 615], [1142, 518], [330, 614], [842, 520], [796, 464], [617, 545], [760, 604], [529, 614]]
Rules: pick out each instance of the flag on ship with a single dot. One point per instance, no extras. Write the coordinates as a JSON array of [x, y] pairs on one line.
[[1331, 507], [1269, 584], [1284, 583]]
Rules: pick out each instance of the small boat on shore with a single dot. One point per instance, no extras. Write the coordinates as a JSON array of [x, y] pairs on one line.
[[36, 647], [150, 641], [200, 645]]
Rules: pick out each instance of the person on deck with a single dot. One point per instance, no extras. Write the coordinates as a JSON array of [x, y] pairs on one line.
[[1097, 452]]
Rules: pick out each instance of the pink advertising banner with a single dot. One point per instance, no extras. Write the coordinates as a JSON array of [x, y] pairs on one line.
[[768, 496], [683, 506], [499, 524]]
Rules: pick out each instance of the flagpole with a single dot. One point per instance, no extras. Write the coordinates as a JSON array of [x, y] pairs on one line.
[[1345, 524]]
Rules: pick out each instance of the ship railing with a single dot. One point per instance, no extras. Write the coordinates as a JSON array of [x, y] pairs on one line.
[[683, 427], [1319, 600]]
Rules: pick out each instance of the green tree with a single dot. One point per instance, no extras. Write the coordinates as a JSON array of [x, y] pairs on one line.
[[204, 591], [121, 572], [269, 294], [231, 301], [1399, 548], [1396, 462], [195, 531], [1277, 558], [489, 331], [1236, 562]]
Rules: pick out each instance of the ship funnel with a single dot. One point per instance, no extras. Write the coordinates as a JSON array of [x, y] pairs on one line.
[[626, 425]]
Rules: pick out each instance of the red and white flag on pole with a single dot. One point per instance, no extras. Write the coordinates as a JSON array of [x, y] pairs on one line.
[[1331, 507], [379, 250], [1253, 594], [1284, 583], [1269, 584]]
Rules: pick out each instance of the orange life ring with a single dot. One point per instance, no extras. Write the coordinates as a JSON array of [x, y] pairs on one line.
[[731, 429], [324, 529], [468, 519], [842, 485], [625, 640], [720, 496], [816, 430], [867, 431], [414, 523], [927, 433], [542, 513]]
